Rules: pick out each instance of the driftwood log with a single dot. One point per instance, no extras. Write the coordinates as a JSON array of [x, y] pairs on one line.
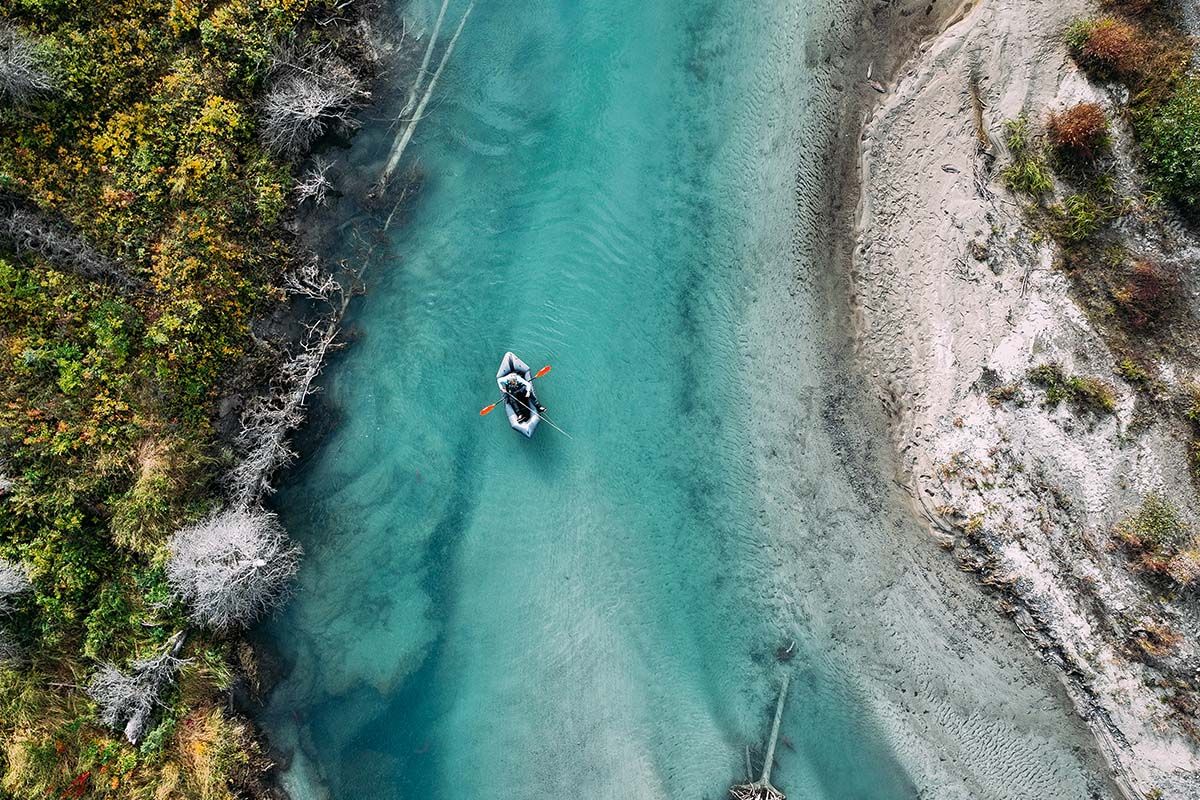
[[762, 788]]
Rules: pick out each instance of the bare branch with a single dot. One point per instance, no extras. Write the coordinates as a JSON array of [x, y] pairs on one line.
[[411, 102], [23, 71], [127, 700], [233, 567], [315, 183], [405, 136], [30, 232], [268, 419], [313, 92]]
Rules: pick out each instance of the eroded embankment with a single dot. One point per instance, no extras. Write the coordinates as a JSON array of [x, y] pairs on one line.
[[958, 300]]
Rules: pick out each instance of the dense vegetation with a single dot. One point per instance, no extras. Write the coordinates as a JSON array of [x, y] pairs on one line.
[[1085, 201], [1141, 47], [145, 156]]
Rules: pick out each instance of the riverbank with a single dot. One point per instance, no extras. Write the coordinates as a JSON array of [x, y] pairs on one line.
[[961, 305], [152, 169]]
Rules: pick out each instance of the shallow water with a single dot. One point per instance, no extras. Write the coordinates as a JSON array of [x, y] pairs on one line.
[[481, 616]]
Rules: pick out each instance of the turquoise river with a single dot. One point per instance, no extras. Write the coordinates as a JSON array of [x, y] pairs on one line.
[[627, 191]]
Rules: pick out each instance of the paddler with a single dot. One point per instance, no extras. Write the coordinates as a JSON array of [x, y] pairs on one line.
[[522, 391]]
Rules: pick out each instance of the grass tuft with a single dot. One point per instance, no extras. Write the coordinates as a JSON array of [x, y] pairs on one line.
[[1027, 173], [1076, 218], [1161, 542]]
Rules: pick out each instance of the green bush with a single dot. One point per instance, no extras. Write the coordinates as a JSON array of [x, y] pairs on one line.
[[1170, 136], [1087, 394], [1162, 543]]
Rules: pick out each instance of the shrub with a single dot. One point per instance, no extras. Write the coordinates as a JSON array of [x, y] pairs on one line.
[[1080, 131], [1087, 394], [1155, 526], [1109, 47], [1170, 136], [1164, 544], [1145, 294]]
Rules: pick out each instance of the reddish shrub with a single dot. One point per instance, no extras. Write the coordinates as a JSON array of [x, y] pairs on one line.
[[1116, 47], [1132, 8], [1079, 131], [1145, 294]]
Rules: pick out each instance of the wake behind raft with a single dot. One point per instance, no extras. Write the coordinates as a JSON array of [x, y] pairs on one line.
[[515, 380]]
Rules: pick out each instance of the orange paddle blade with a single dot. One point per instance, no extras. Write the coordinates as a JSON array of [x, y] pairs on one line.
[[483, 412], [542, 371]]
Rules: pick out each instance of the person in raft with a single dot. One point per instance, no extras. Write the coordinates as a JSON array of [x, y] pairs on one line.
[[519, 389]]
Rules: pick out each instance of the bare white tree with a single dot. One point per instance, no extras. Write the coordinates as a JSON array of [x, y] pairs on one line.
[[314, 184], [23, 66], [313, 91], [12, 583], [233, 567], [268, 419], [29, 232], [127, 700]]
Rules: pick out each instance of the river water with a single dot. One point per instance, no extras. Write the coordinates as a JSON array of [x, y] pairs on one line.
[[610, 188]]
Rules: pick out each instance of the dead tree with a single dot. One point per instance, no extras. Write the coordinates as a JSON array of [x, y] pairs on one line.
[[762, 788], [232, 568], [29, 232], [12, 583], [312, 92], [127, 700], [406, 133], [23, 66], [314, 184], [268, 420]]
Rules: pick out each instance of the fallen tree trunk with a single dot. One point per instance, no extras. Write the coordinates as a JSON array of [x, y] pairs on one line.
[[405, 136]]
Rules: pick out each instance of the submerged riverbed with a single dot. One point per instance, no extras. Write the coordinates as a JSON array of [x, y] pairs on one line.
[[611, 188]]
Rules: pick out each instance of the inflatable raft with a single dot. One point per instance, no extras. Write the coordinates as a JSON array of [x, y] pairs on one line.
[[521, 405]]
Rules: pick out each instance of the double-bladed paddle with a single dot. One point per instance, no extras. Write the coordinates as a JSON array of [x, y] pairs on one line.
[[483, 412]]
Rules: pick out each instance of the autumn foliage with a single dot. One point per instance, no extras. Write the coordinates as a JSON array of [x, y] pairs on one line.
[[1111, 46], [144, 153], [1080, 131]]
